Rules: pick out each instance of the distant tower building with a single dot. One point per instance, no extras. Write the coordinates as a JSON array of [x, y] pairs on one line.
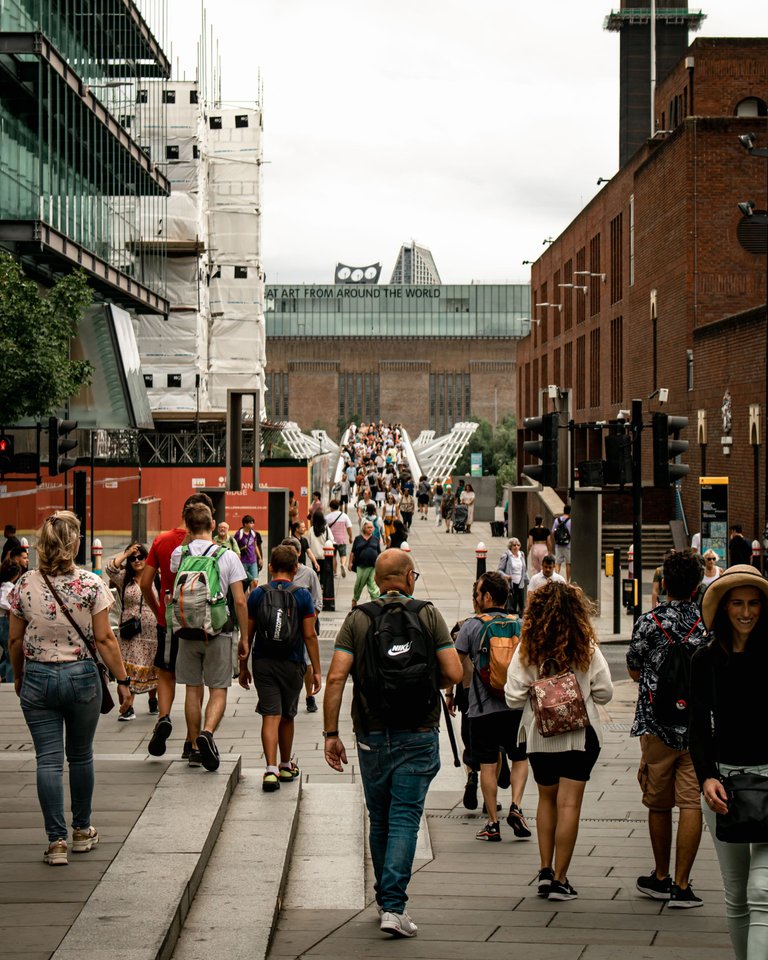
[[633, 22], [415, 265]]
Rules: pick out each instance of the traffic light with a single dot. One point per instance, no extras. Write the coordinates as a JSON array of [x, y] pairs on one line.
[[618, 457], [60, 444], [6, 454], [666, 446], [545, 449]]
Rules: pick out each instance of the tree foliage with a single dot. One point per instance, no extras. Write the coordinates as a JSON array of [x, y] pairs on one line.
[[499, 449], [37, 376]]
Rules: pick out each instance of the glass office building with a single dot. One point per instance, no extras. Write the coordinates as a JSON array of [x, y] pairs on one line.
[[477, 311], [76, 190]]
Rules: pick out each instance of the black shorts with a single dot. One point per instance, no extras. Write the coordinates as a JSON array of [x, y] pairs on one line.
[[423, 499], [570, 764], [344, 498], [496, 731], [167, 649], [279, 684]]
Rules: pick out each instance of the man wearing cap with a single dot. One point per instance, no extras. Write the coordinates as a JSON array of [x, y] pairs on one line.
[[666, 776]]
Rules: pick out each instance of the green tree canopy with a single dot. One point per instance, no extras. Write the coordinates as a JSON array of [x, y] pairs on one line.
[[37, 376], [499, 449]]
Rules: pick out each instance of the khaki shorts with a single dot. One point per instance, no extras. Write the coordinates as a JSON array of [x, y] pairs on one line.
[[208, 663], [666, 776]]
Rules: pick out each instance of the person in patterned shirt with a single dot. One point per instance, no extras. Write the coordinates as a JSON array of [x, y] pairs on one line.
[[666, 774]]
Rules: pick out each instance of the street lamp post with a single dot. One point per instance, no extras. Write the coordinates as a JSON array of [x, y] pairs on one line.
[[748, 141]]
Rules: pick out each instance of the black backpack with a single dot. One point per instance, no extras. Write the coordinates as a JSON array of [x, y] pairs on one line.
[[279, 634], [671, 701], [400, 678], [562, 533]]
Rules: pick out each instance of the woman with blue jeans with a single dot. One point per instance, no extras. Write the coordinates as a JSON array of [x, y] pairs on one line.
[[727, 732], [58, 681]]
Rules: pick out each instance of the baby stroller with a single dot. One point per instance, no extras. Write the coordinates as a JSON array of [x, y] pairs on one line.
[[460, 516]]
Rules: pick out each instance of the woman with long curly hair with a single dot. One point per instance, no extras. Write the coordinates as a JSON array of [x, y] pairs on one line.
[[558, 635]]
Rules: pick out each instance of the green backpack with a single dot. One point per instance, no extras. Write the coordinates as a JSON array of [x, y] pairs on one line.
[[199, 606], [498, 641]]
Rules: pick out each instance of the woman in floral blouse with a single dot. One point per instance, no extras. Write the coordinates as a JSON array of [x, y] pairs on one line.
[[58, 681], [138, 647]]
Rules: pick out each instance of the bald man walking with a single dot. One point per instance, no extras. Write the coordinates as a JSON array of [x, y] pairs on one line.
[[399, 653]]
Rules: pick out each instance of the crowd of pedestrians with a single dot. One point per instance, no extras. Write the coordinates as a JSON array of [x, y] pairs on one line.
[[525, 671]]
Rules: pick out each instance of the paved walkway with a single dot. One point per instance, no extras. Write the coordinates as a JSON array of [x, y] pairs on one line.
[[470, 899]]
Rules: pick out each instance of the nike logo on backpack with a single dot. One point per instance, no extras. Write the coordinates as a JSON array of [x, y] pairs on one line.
[[398, 648]]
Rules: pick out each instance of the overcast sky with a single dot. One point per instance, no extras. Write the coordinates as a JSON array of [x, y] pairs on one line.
[[476, 127]]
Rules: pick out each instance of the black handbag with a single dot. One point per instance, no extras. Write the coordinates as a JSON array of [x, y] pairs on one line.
[[130, 628], [747, 817], [107, 703]]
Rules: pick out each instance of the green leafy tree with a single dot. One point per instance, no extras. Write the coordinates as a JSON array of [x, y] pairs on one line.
[[37, 376], [499, 449]]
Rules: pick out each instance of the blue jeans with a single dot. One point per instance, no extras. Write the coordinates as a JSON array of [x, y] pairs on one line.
[[397, 768], [6, 670], [744, 868], [61, 703]]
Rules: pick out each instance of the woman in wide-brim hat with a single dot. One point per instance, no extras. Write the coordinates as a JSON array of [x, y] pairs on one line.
[[727, 732]]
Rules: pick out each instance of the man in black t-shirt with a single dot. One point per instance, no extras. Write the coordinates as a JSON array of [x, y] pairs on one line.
[[739, 548]]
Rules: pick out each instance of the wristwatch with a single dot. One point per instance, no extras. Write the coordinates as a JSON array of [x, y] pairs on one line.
[[330, 734], [124, 683]]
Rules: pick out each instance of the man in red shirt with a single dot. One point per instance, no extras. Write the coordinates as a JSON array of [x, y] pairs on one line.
[[159, 559]]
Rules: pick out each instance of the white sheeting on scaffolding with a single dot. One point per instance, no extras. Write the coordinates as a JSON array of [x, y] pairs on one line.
[[214, 338]]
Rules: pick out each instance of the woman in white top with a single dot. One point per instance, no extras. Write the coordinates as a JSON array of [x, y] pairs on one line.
[[468, 499], [558, 635], [512, 566], [711, 573], [58, 681]]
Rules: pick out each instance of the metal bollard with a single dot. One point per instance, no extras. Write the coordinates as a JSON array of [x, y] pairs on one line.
[[481, 552], [329, 588]]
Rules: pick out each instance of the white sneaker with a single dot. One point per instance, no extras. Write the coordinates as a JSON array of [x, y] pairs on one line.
[[398, 924]]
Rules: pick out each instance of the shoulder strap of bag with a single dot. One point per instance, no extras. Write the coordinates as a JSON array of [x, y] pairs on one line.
[[91, 649], [667, 635]]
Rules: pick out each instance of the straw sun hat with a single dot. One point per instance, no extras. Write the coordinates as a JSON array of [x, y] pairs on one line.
[[740, 575]]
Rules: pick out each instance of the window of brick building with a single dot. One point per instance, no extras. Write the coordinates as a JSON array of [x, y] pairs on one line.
[[535, 394], [556, 368], [567, 300], [617, 258], [594, 368], [594, 282], [528, 405], [581, 266], [568, 366], [276, 400], [544, 314], [581, 394], [632, 240], [556, 298], [544, 371], [617, 360]]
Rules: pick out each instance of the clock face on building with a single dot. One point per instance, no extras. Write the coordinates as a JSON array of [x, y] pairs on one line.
[[357, 275], [371, 273], [343, 273]]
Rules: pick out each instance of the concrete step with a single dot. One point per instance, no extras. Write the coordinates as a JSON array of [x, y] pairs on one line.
[[657, 539], [327, 868], [236, 906], [154, 877]]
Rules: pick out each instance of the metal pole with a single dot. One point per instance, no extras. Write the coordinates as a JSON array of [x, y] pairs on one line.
[[765, 372], [653, 72], [637, 505], [617, 590]]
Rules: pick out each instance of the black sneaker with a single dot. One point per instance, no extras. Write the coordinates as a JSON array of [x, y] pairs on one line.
[[153, 707], [546, 876], [470, 792], [130, 714], [208, 751], [682, 898], [561, 890], [654, 888], [490, 832], [311, 705], [186, 750], [194, 759], [517, 821], [160, 734]]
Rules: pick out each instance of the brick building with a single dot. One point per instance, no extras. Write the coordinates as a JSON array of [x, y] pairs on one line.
[[425, 356], [653, 287]]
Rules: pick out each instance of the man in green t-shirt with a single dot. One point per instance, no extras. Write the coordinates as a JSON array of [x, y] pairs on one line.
[[398, 756]]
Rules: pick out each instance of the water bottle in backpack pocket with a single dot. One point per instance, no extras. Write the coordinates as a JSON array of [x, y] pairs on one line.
[[199, 606]]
